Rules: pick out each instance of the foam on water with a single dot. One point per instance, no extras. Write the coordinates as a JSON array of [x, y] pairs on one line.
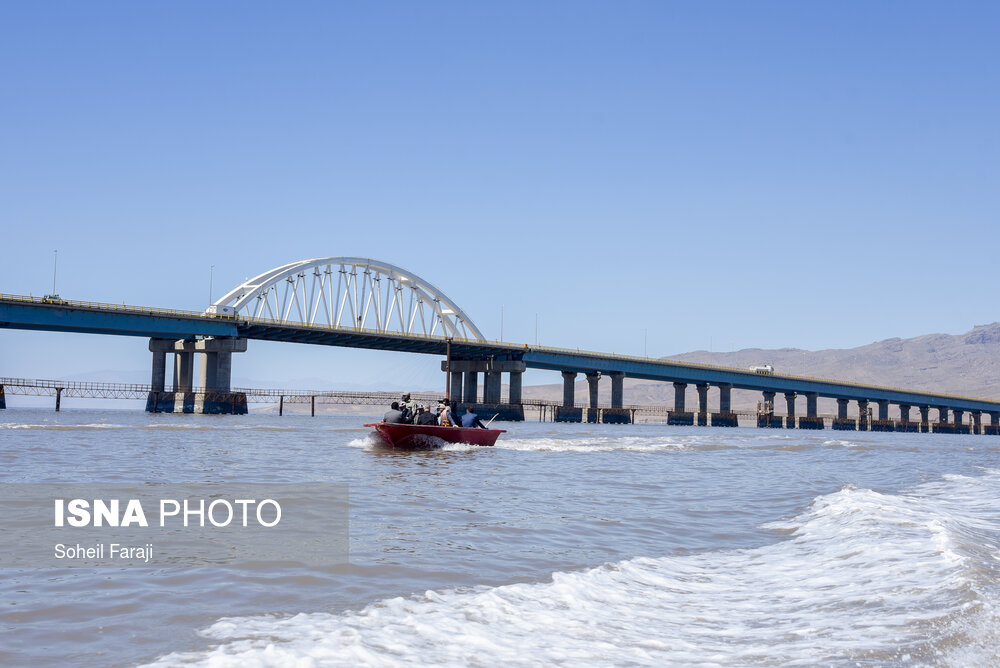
[[858, 577], [846, 444], [595, 443], [62, 427]]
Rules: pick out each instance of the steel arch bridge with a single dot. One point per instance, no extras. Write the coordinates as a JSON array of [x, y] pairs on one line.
[[350, 292]]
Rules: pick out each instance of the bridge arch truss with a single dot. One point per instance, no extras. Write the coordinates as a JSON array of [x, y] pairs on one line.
[[350, 292]]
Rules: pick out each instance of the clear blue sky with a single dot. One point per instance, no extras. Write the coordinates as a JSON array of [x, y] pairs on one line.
[[750, 174]]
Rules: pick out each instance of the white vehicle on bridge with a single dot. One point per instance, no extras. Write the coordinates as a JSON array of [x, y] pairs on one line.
[[765, 369]]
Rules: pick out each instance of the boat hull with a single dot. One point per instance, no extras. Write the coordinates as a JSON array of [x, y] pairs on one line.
[[423, 436]]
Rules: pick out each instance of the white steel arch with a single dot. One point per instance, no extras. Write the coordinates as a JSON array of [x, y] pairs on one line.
[[350, 292]]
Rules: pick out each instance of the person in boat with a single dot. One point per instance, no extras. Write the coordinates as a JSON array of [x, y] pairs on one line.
[[470, 420], [447, 414], [394, 414], [409, 408], [425, 417]]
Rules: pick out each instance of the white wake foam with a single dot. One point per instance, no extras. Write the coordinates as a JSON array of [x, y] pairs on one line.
[[860, 577]]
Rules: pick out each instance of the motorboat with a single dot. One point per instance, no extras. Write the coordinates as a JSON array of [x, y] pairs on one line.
[[400, 435]]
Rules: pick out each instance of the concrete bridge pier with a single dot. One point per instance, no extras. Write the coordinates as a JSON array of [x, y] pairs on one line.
[[942, 426], [617, 414], [812, 420], [925, 419], [465, 387], [904, 420], [977, 419], [882, 422], [789, 410], [214, 393], [766, 418], [3, 399], [959, 422], [593, 379], [841, 422], [183, 371], [702, 404], [491, 388], [725, 417], [470, 387], [455, 385], [568, 411], [863, 417], [514, 388], [993, 428], [679, 416]]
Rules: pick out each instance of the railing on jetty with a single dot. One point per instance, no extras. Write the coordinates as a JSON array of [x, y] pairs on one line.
[[546, 410]]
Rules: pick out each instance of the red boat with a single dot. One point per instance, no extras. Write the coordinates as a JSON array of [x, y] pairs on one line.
[[424, 436]]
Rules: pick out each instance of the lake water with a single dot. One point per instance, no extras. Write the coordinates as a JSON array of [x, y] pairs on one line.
[[575, 545]]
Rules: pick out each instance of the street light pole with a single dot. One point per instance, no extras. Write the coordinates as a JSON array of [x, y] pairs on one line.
[[55, 263], [211, 275]]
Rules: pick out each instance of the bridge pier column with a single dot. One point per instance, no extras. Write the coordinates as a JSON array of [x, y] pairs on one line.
[[883, 423], [958, 420], [159, 375], [904, 419], [863, 417], [994, 426], [617, 389], [942, 425], [812, 420], [617, 414], [725, 417], [471, 387], [977, 419], [841, 422], [702, 404], [593, 379], [680, 389], [209, 370], [569, 388], [183, 371], [3, 398], [679, 415], [765, 416], [789, 410], [925, 419], [456, 387], [514, 392], [568, 412], [491, 391]]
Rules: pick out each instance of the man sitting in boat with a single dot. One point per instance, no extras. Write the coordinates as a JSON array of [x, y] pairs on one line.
[[447, 414], [409, 408], [424, 416], [470, 420], [393, 414]]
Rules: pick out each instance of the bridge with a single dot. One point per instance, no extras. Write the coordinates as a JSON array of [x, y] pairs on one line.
[[365, 303]]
